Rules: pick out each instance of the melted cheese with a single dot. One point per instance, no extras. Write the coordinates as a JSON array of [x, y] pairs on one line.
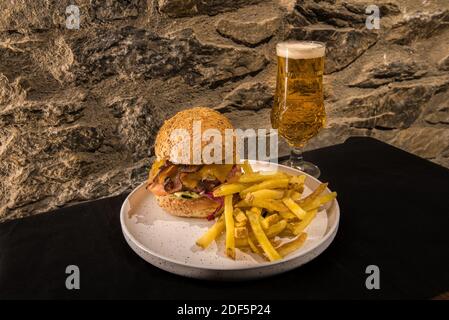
[[155, 169], [211, 171], [219, 171], [190, 180]]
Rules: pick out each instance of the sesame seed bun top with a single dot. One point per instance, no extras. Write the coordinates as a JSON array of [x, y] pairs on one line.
[[210, 119]]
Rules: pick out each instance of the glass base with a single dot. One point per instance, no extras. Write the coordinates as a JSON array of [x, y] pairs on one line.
[[305, 166]]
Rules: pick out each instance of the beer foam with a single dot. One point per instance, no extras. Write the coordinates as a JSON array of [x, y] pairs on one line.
[[300, 49]]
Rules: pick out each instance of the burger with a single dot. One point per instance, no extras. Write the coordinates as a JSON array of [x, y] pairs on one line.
[[183, 187]]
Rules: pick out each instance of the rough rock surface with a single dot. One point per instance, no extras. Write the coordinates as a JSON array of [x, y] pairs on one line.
[[79, 109], [181, 8], [249, 33]]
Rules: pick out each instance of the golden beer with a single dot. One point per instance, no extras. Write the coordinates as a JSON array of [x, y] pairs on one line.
[[298, 112]]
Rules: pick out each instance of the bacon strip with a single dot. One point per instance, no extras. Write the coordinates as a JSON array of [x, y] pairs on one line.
[[157, 189]]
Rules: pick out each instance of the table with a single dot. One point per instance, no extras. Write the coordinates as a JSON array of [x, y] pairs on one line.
[[401, 226]]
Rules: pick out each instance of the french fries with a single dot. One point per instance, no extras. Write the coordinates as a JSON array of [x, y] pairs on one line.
[[269, 209], [240, 233], [287, 232], [266, 194], [294, 207], [276, 228], [269, 221], [287, 215], [316, 203], [268, 184], [266, 245], [297, 183], [243, 204], [239, 216], [261, 176], [241, 242], [253, 246], [226, 189], [211, 234], [294, 245], [295, 195], [247, 167], [300, 226], [307, 200], [270, 205], [229, 223]]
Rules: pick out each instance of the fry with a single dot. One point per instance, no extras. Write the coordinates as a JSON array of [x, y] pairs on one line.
[[291, 246], [315, 204], [291, 226], [240, 217], [304, 202], [253, 246], [240, 233], [269, 221], [226, 189], [294, 207], [270, 205], [243, 204], [297, 179], [295, 195], [257, 211], [211, 234], [300, 226], [229, 222], [275, 243], [276, 228], [261, 176], [268, 184], [287, 232], [287, 215], [297, 183], [243, 242], [266, 245], [266, 194], [247, 167]]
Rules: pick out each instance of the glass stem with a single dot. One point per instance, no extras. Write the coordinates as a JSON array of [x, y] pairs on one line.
[[296, 159]]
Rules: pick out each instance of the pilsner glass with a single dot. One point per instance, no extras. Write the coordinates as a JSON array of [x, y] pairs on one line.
[[298, 111]]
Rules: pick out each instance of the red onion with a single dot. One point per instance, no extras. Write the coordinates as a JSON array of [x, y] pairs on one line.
[[219, 200]]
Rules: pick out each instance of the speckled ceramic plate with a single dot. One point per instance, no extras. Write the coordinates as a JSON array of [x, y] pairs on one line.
[[168, 242]]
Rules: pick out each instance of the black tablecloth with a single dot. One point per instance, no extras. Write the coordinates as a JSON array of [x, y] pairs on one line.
[[394, 214]]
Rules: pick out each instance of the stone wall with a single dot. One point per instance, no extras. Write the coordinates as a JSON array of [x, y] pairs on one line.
[[79, 109]]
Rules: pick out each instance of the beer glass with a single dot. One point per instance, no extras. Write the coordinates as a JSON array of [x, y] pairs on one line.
[[298, 111]]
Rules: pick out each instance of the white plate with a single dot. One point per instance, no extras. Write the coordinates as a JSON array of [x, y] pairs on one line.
[[168, 242]]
